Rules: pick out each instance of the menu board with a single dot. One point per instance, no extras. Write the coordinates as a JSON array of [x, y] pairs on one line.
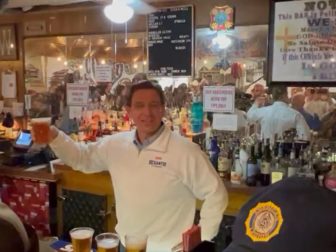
[[303, 42], [170, 42]]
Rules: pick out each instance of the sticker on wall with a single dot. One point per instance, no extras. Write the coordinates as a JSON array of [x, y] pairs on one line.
[[222, 18]]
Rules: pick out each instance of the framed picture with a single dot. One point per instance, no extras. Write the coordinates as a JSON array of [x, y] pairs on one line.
[[302, 43], [8, 45]]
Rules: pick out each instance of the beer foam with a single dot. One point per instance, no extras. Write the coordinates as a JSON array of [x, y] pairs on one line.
[[108, 243], [81, 234]]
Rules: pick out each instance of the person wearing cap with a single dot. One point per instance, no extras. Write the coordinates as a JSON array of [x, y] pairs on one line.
[[157, 175], [278, 117], [292, 215]]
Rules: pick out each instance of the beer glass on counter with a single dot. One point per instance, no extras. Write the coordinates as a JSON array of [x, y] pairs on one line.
[[136, 243], [81, 239], [40, 128], [107, 242]]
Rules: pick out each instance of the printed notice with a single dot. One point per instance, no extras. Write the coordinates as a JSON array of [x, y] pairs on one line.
[[77, 94], [219, 99], [227, 122], [304, 41]]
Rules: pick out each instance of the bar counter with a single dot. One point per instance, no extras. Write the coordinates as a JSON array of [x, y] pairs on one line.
[[100, 183]]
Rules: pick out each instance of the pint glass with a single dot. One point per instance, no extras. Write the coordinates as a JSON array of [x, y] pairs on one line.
[[40, 127], [107, 242], [136, 243], [81, 239]]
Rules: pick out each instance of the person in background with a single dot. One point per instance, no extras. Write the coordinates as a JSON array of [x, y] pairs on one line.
[[258, 90], [278, 117], [297, 102], [292, 215], [139, 77], [14, 237], [157, 175], [314, 104]]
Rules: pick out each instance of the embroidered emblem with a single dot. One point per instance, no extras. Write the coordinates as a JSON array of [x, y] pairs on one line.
[[263, 222]]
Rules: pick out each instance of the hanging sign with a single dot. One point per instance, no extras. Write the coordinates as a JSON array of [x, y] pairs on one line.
[[222, 18], [219, 99], [77, 94]]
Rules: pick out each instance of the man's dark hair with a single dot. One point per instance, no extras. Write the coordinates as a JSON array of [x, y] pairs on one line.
[[145, 85], [278, 92]]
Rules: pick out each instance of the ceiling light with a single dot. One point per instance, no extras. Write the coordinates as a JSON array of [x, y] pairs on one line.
[[222, 41], [118, 12]]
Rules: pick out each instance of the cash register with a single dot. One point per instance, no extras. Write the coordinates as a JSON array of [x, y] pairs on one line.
[[22, 152]]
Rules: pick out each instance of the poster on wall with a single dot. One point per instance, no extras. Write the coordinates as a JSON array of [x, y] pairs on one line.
[[302, 48]]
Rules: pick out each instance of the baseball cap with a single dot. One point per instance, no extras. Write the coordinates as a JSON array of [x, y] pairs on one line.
[[292, 215]]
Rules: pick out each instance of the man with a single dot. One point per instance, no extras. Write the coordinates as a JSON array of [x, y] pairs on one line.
[[156, 174], [298, 101], [278, 117], [292, 215]]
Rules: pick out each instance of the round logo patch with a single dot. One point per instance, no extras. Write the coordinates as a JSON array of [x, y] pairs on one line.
[[263, 222]]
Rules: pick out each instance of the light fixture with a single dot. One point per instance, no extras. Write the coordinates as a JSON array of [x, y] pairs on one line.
[[221, 40], [118, 12], [103, 62]]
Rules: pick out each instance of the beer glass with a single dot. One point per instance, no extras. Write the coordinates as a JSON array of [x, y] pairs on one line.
[[136, 243], [40, 127], [81, 239], [107, 242]]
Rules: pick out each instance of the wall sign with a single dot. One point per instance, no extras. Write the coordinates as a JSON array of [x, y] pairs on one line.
[[302, 48], [219, 99], [170, 42], [77, 94], [8, 47]]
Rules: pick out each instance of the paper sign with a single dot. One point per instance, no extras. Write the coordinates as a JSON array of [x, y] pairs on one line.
[[17, 108], [219, 99], [75, 112], [77, 94], [103, 73], [8, 84], [227, 122]]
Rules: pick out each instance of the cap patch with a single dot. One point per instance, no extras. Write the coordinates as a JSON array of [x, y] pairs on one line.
[[263, 222]]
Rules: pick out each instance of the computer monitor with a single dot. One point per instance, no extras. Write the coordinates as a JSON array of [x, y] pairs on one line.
[[23, 141]]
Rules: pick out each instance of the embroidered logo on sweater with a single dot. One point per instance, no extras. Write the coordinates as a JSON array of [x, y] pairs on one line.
[[157, 162], [263, 222]]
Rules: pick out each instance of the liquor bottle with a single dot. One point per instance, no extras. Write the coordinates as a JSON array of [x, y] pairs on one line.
[[196, 115], [224, 162], [293, 164], [265, 171], [251, 169], [278, 170], [237, 169], [214, 151], [259, 155]]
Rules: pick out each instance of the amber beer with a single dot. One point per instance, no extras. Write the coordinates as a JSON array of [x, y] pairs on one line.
[[81, 239], [136, 243], [107, 242], [40, 127], [135, 249]]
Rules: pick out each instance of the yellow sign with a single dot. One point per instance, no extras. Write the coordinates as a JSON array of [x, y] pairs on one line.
[[263, 222]]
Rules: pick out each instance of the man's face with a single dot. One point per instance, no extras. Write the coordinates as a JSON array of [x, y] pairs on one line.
[[258, 90], [146, 111]]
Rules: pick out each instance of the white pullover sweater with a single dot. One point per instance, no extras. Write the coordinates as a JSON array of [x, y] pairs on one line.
[[156, 188]]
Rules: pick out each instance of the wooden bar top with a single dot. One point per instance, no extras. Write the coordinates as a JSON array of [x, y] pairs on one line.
[[43, 174]]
